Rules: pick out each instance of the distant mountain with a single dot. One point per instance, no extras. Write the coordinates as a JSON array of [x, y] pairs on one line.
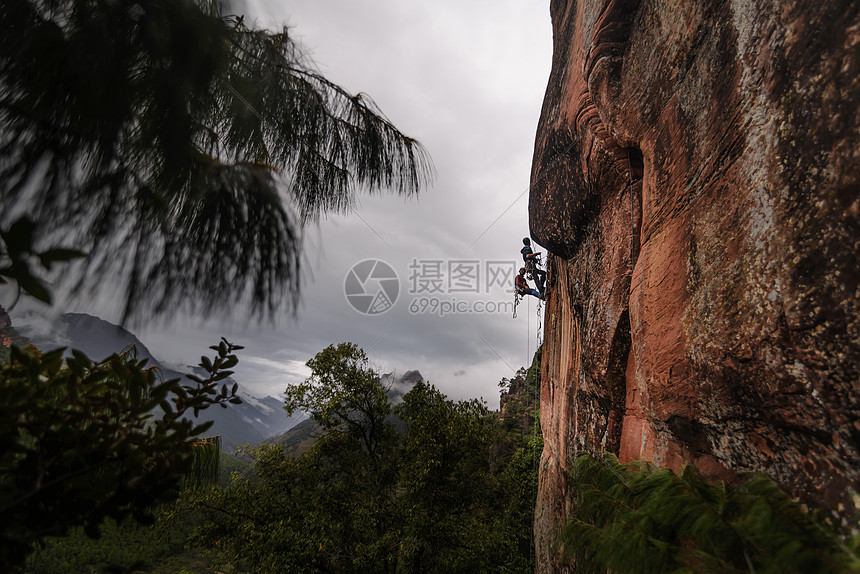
[[300, 438], [252, 422]]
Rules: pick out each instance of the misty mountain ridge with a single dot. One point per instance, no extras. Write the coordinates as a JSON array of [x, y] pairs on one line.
[[396, 387], [255, 420]]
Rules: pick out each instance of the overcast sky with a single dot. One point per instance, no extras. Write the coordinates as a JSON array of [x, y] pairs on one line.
[[467, 80]]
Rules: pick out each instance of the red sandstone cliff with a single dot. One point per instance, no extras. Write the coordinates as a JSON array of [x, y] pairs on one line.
[[697, 179]]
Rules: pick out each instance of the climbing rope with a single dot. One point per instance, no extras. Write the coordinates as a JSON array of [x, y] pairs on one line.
[[539, 323], [535, 266], [528, 335], [534, 424], [539, 333]]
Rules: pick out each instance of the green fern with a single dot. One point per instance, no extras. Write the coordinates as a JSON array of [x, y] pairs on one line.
[[638, 519]]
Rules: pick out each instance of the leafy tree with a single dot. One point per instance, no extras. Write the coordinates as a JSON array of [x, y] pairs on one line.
[[343, 394], [638, 519], [310, 514], [180, 149], [82, 441], [331, 510], [351, 473]]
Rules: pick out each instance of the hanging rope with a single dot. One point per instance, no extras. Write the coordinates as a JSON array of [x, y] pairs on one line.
[[539, 323], [533, 452], [528, 335]]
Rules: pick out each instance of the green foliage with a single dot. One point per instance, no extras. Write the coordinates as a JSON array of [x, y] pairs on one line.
[[121, 545], [343, 393], [521, 395], [227, 466], [448, 489], [182, 150], [129, 546], [80, 441], [519, 482], [518, 476], [638, 519], [364, 498]]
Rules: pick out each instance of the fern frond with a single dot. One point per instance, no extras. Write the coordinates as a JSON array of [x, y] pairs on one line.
[[634, 519]]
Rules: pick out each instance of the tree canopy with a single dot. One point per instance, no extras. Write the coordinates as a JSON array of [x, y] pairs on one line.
[[419, 486], [181, 150]]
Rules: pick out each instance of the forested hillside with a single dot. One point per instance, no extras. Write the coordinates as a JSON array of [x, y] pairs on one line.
[[454, 488]]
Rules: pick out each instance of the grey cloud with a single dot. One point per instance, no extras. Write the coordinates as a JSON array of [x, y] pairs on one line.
[[467, 80]]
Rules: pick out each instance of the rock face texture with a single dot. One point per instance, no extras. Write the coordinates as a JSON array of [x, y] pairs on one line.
[[697, 179]]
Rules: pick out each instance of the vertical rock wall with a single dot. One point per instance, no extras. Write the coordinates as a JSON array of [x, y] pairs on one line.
[[697, 180]]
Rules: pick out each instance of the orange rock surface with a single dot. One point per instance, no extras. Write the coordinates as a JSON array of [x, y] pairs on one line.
[[697, 179]]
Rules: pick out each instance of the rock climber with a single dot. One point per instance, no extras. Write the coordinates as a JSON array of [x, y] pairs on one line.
[[522, 285], [532, 260]]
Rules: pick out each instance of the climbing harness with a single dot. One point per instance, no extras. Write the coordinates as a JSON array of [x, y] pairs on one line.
[[532, 267], [531, 264]]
